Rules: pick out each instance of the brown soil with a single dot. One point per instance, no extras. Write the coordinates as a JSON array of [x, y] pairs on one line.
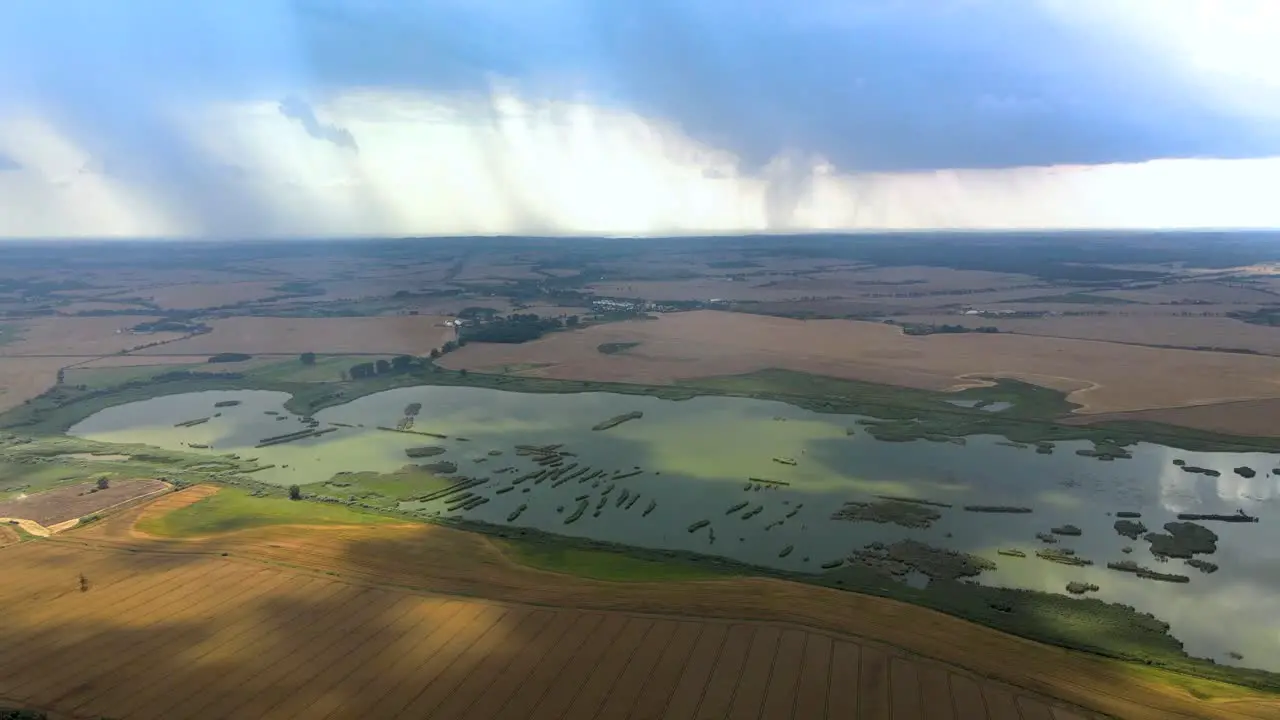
[[1100, 376], [76, 501], [388, 622], [8, 536], [410, 334]]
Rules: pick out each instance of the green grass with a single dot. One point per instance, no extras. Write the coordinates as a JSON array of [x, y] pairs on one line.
[[9, 333], [98, 378], [234, 509], [605, 565], [326, 369], [388, 489], [614, 348]]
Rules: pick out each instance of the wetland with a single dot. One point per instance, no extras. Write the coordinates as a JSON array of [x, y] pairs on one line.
[[698, 477]]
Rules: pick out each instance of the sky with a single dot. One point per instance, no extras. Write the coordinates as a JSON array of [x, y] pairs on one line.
[[282, 118]]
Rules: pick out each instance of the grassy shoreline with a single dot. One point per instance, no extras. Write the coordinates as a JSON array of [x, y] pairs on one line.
[[896, 414], [1090, 625]]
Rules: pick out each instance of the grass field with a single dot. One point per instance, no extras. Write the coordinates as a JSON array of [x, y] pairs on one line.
[[602, 565], [233, 509]]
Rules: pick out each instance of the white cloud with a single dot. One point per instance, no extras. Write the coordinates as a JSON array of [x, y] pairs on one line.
[[507, 164]]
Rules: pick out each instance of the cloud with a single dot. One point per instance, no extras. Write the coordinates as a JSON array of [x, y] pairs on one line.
[[564, 116], [8, 164], [508, 164], [296, 109]]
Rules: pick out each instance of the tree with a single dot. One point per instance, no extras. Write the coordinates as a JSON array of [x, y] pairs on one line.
[[463, 372], [383, 366], [307, 358], [103, 483], [571, 321], [295, 492], [401, 363], [435, 353]]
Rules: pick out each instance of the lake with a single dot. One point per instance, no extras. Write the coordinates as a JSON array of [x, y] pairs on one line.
[[695, 458]]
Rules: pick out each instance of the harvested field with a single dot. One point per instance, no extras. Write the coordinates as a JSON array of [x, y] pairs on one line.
[[8, 536], [1102, 377], [81, 336], [1138, 329], [91, 306], [201, 295], [166, 636], [1246, 417], [416, 334], [24, 378], [382, 651], [76, 501], [1211, 292]]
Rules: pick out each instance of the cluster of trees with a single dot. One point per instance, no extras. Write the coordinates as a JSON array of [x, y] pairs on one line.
[[172, 325], [397, 364], [515, 328], [229, 357], [925, 329]]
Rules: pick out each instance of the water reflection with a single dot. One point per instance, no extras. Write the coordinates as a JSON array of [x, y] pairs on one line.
[[696, 456]]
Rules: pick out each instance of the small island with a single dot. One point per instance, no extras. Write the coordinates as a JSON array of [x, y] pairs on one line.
[[618, 420]]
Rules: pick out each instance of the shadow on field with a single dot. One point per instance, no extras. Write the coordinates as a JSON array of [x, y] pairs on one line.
[[242, 640]]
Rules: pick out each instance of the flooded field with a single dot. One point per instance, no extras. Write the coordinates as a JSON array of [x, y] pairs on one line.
[[770, 484]]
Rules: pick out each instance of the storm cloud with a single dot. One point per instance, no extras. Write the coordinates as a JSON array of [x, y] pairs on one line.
[[233, 117]]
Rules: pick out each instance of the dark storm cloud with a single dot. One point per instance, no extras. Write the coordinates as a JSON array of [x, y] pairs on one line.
[[871, 85], [295, 108]]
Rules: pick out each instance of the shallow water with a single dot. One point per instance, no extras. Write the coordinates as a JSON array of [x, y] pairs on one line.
[[696, 456]]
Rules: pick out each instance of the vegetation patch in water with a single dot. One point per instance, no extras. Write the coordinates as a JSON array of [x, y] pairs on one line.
[[1183, 539], [916, 501], [1062, 556], [424, 451], [1130, 566], [1130, 528], [1013, 509], [1203, 566], [905, 556], [444, 467], [617, 420], [909, 515], [1076, 587]]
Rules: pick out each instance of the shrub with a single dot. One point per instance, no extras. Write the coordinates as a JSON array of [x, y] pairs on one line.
[[295, 492]]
